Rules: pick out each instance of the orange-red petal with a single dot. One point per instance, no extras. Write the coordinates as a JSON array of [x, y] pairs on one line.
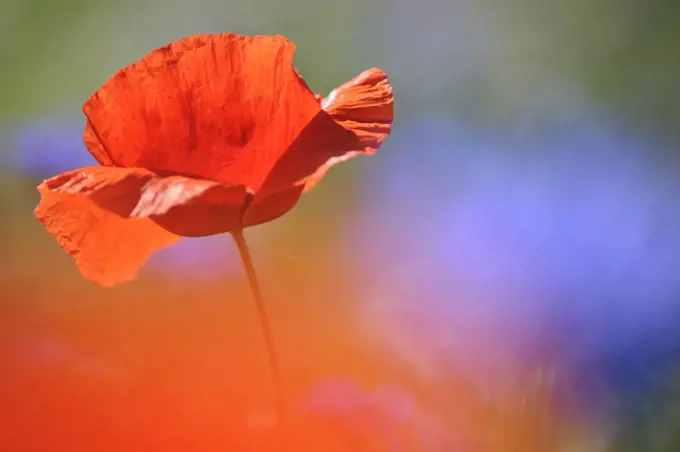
[[364, 106], [356, 118], [107, 248], [112, 219], [221, 107], [270, 207], [192, 207]]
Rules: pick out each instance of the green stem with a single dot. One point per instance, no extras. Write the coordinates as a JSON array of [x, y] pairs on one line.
[[266, 330]]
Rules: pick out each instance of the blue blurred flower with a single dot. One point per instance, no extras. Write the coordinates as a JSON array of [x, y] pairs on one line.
[[49, 147], [557, 245]]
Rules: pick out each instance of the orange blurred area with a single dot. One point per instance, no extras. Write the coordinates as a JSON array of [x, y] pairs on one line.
[[171, 364], [148, 367], [165, 365]]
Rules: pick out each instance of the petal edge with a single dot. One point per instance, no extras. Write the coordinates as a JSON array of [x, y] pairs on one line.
[[112, 219], [356, 118], [108, 249]]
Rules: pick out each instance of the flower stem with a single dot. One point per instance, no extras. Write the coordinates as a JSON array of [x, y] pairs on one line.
[[277, 381]]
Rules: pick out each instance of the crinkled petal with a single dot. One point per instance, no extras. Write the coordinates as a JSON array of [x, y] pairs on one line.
[[320, 140], [356, 118], [192, 207], [268, 208], [95, 146], [222, 107], [112, 219], [364, 106], [107, 248]]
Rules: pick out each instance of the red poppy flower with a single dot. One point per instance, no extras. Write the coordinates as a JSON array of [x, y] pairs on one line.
[[206, 135]]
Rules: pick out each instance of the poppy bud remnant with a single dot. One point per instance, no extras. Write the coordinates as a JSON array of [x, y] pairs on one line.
[[209, 134]]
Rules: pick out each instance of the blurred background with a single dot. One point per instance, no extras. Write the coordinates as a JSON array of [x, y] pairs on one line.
[[504, 275]]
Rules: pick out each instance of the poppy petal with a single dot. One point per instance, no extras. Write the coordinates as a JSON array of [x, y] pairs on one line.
[[320, 140], [356, 118], [107, 248], [365, 106], [95, 147], [192, 207], [112, 219], [268, 208], [222, 107]]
